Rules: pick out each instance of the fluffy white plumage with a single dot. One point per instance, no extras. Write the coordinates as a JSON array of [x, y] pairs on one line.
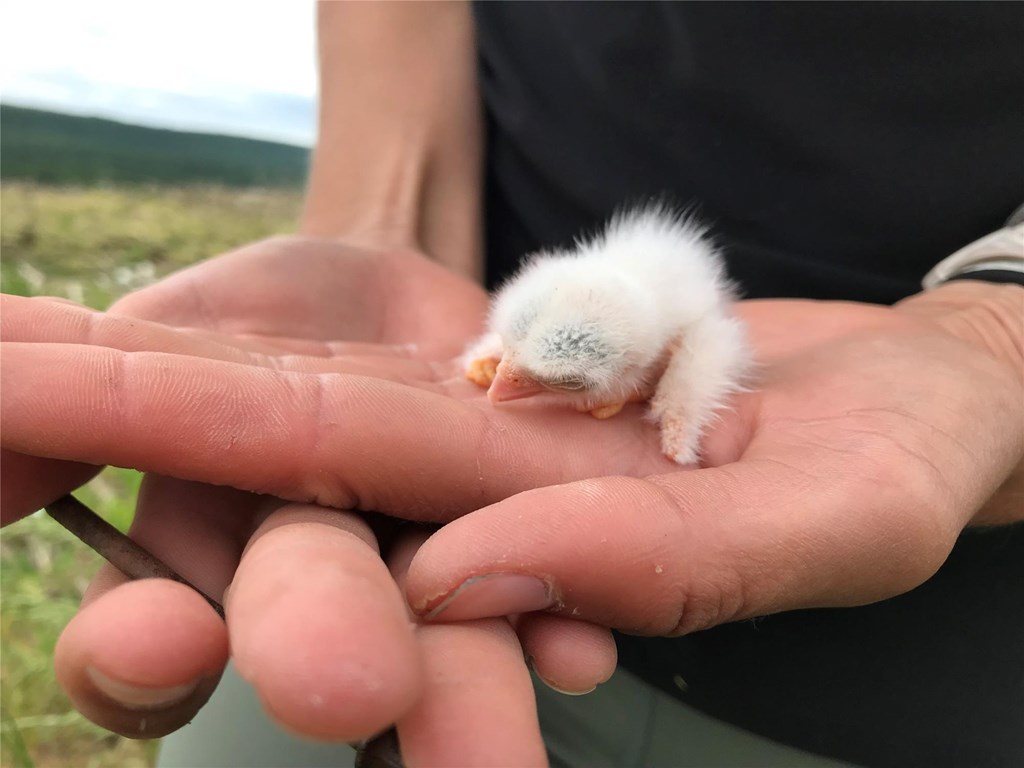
[[640, 312]]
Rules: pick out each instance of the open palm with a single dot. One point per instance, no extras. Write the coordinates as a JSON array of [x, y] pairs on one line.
[[874, 436]]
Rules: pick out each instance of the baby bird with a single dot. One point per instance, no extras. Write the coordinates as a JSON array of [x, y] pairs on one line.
[[640, 312]]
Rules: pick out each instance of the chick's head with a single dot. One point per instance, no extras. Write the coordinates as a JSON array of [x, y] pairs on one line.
[[585, 336]]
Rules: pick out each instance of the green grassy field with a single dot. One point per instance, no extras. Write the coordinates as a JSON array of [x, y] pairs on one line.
[[92, 245]]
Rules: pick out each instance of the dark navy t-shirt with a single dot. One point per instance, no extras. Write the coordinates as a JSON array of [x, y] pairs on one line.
[[838, 151]]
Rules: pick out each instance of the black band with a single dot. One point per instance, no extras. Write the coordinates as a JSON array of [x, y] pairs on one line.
[[992, 276]]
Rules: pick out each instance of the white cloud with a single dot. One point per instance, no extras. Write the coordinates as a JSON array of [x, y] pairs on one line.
[[221, 65]]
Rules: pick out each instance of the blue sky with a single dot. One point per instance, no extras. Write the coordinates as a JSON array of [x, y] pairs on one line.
[[222, 66]]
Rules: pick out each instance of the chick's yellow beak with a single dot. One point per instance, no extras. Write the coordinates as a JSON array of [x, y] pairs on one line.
[[510, 383]]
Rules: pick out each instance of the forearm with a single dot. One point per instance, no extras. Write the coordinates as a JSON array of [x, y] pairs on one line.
[[397, 161], [991, 316]]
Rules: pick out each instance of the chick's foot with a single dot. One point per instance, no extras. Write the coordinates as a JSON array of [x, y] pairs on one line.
[[607, 411], [482, 371], [679, 442]]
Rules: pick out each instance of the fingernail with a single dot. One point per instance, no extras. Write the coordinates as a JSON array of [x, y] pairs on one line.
[[139, 697], [533, 670], [497, 594], [563, 691]]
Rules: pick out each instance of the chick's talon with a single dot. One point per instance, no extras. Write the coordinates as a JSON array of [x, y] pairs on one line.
[[482, 371]]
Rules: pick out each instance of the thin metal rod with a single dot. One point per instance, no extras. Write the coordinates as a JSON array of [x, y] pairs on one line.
[[135, 562], [120, 551]]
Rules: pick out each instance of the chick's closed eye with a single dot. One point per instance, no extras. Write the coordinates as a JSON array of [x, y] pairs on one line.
[[643, 311], [569, 383]]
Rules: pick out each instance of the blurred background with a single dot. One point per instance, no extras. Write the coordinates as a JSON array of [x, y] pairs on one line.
[[135, 138]]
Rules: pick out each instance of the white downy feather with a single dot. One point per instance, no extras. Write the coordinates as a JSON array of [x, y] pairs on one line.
[[642, 310]]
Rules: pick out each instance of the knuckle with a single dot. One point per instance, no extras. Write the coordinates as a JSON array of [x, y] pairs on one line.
[[709, 602], [706, 591]]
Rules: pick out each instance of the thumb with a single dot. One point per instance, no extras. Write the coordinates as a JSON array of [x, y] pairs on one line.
[[675, 553]]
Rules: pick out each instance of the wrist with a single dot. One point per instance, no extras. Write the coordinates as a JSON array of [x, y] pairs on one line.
[[987, 315], [370, 204], [394, 204], [398, 156]]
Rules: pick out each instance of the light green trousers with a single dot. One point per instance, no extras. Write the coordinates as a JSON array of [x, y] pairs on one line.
[[625, 723]]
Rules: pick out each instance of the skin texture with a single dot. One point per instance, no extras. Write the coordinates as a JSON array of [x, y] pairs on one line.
[[876, 436], [326, 558], [828, 486]]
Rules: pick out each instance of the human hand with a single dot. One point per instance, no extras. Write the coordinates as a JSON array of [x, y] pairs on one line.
[[200, 531], [457, 716], [259, 409], [542, 448], [875, 436], [291, 292], [278, 296]]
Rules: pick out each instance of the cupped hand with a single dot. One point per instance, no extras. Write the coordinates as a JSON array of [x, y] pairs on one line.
[[175, 649], [277, 296], [385, 432], [335, 429], [874, 436], [294, 290], [510, 450]]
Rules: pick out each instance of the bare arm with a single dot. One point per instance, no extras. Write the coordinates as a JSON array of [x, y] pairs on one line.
[[397, 163]]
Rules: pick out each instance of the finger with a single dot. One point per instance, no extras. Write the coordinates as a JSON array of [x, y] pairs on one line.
[[28, 483], [673, 554], [32, 319], [143, 658], [255, 289], [422, 350], [570, 656], [370, 295], [164, 677], [319, 628], [198, 530], [340, 440], [477, 706], [43, 321]]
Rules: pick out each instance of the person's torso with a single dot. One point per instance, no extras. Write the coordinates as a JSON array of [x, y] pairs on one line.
[[838, 150]]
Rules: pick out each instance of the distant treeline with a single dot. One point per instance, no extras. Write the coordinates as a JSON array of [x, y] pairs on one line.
[[49, 147]]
